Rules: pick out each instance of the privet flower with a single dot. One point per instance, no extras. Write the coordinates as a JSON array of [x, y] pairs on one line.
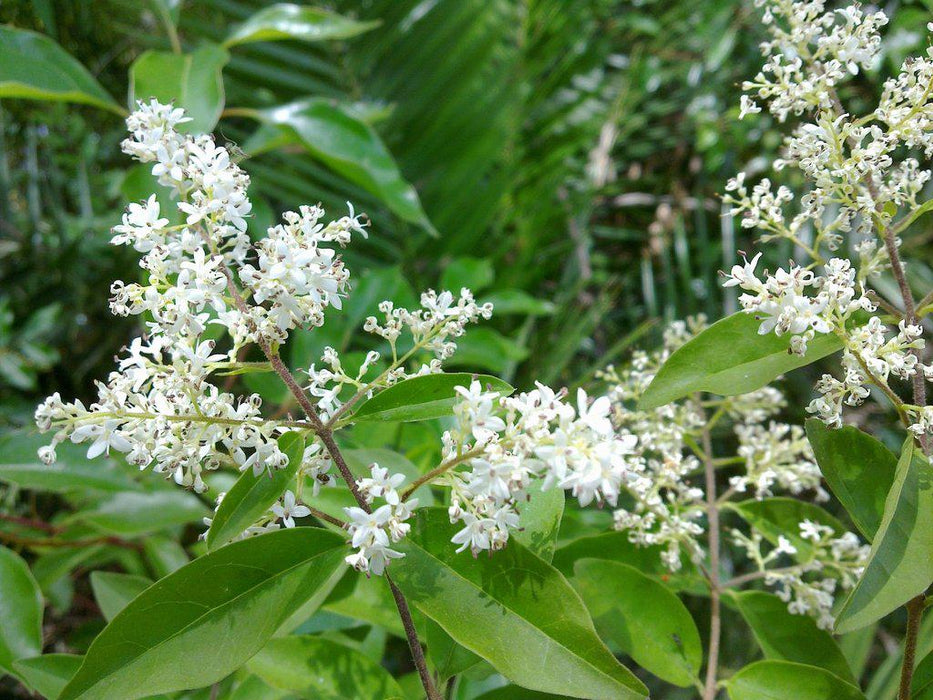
[[163, 408], [667, 504], [864, 183]]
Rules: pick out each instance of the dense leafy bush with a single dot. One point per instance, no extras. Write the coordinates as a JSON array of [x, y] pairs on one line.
[[355, 500]]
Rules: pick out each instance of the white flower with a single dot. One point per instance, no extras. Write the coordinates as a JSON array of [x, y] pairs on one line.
[[289, 509]]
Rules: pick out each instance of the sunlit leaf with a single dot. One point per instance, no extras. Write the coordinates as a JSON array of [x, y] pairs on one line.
[[202, 622], [191, 80], [302, 23], [730, 358], [900, 565], [32, 66]]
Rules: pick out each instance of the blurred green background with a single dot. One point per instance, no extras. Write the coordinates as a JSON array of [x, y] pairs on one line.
[[567, 156]]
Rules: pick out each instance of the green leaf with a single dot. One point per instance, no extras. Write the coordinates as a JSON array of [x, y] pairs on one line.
[[646, 620], [540, 521], [773, 517], [921, 687], [114, 591], [288, 21], [72, 471], [252, 496], [487, 349], [512, 692], [476, 274], [131, 513], [515, 301], [786, 637], [781, 680], [616, 547], [199, 624], [48, 674], [447, 657], [425, 397], [334, 135], [191, 80], [900, 565], [858, 468], [164, 555], [511, 608], [20, 611], [320, 669], [730, 358], [34, 67]]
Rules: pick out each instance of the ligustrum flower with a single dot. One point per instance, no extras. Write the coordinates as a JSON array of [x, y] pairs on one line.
[[864, 185]]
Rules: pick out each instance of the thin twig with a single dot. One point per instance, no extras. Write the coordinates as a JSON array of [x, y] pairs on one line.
[[417, 653], [712, 516], [914, 614]]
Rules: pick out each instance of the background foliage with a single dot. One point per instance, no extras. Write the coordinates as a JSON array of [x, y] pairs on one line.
[[567, 157]]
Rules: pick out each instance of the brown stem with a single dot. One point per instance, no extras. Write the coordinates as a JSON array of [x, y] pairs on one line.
[[326, 436], [438, 470], [321, 515], [58, 542], [914, 614], [417, 654], [712, 516]]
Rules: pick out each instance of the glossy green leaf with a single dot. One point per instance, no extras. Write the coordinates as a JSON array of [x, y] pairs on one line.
[[191, 80], [252, 496], [133, 513], [320, 669], [288, 21], [72, 471], [114, 591], [425, 397], [617, 547], [332, 134], [34, 67], [787, 637], [512, 601], [514, 301], [20, 611], [540, 519], [48, 673], [900, 565], [730, 358], [858, 468], [921, 687], [645, 620], [783, 680], [204, 621], [773, 517]]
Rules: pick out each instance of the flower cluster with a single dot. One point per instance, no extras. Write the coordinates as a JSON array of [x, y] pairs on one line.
[[430, 328], [668, 502], [206, 283], [828, 562], [506, 443], [372, 531], [861, 173]]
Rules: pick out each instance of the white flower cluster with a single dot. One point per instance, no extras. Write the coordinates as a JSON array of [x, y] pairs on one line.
[[509, 442], [430, 328], [373, 531], [160, 407], [861, 175], [668, 506], [832, 561], [776, 454], [811, 51]]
